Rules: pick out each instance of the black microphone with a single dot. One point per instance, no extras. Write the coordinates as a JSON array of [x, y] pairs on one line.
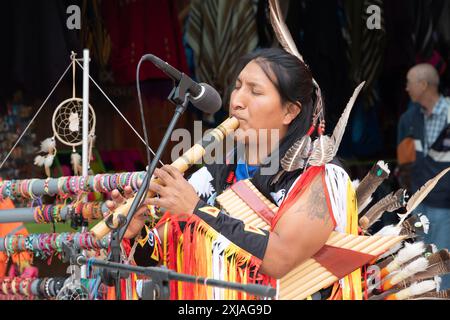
[[202, 95]]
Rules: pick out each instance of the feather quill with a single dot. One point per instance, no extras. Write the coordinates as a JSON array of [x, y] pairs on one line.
[[439, 264], [420, 194], [281, 30], [75, 160], [296, 155], [389, 203], [373, 179]]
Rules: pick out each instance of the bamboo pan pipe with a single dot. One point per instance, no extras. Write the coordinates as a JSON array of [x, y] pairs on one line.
[[310, 276]]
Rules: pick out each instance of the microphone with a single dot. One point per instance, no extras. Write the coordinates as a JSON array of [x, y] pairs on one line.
[[202, 95]]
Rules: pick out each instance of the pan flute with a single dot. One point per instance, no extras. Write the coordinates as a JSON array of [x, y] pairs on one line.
[[341, 255]]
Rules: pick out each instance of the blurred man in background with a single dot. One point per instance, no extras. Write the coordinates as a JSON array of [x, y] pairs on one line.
[[423, 150]]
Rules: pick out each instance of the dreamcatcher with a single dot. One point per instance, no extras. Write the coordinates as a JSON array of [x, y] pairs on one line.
[[67, 127], [72, 289]]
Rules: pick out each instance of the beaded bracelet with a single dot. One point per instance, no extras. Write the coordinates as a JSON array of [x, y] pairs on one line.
[[24, 189], [46, 287], [38, 217], [7, 190], [30, 189], [51, 287]]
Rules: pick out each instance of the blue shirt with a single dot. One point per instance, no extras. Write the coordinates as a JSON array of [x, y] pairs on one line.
[[244, 171], [435, 122]]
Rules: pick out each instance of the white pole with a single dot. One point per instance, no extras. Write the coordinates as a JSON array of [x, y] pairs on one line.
[[85, 152], [85, 160]]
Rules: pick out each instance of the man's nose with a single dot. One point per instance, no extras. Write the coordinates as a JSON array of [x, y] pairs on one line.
[[238, 100]]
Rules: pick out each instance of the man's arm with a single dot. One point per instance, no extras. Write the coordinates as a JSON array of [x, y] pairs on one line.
[[300, 233]]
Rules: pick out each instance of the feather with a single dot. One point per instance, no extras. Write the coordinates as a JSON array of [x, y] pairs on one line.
[[281, 30], [441, 295], [414, 225], [436, 268], [390, 230], [420, 194], [373, 179], [48, 163], [295, 157], [415, 289], [322, 151], [429, 249], [389, 203], [49, 160], [39, 161], [391, 251], [325, 148], [364, 205], [407, 253], [75, 160], [48, 145], [412, 268], [339, 130]]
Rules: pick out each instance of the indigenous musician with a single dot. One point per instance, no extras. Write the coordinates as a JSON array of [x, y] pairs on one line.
[[274, 90]]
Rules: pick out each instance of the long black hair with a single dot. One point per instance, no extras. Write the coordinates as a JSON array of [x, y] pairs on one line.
[[294, 83]]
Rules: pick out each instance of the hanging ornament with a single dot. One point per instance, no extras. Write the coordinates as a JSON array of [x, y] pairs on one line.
[[48, 147], [68, 126]]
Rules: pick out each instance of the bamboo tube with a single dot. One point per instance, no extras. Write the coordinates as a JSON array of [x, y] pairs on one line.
[[331, 278], [182, 164], [375, 243]]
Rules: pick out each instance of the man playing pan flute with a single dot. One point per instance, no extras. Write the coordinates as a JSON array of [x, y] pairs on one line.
[[274, 90]]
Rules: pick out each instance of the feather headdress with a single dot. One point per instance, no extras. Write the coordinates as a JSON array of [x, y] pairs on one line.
[[299, 152], [325, 148]]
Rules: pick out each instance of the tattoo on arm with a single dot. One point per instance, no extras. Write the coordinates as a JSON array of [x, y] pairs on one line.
[[315, 203]]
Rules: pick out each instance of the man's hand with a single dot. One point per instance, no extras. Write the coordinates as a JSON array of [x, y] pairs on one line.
[[175, 194], [137, 223]]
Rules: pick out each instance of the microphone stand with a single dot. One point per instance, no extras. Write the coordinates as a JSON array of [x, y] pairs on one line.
[[158, 287], [179, 96]]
